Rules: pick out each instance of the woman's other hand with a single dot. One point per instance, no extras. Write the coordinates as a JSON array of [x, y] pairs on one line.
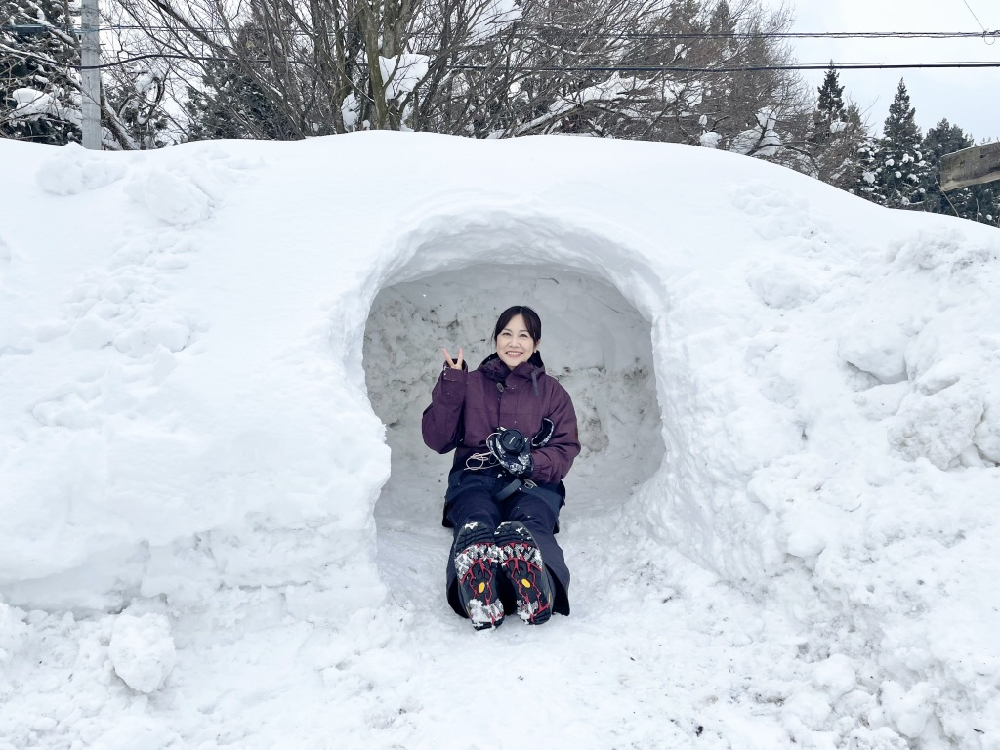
[[453, 364]]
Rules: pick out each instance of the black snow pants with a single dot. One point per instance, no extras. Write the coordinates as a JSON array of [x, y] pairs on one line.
[[471, 497]]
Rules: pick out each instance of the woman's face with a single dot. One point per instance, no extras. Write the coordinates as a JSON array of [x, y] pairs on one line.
[[514, 344]]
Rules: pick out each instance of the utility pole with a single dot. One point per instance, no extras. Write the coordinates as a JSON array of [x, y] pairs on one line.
[[90, 59]]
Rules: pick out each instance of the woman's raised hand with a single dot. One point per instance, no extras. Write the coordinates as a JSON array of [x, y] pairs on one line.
[[453, 364]]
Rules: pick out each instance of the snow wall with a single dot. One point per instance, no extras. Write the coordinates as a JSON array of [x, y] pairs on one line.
[[185, 407]]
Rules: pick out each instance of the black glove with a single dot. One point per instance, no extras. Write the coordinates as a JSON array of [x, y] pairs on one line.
[[544, 434], [512, 451]]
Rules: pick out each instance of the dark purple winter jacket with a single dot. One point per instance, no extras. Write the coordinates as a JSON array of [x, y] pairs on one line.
[[467, 406]]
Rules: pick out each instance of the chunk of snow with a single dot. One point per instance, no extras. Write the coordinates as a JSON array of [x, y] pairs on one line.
[[32, 104], [835, 675], [142, 651], [987, 433], [909, 710], [402, 73], [710, 139], [938, 426], [876, 346], [351, 111], [13, 631], [763, 140]]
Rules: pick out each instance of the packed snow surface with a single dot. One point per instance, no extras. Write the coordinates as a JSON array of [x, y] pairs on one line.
[[220, 528]]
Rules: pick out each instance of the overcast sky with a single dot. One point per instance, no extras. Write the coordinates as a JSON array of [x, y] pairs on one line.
[[967, 97]]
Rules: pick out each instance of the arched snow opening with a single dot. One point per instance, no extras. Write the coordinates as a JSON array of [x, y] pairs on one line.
[[599, 345]]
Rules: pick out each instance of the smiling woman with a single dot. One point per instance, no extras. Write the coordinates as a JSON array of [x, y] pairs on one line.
[[505, 488]]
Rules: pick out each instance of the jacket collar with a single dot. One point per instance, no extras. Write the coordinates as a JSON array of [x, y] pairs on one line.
[[497, 370]]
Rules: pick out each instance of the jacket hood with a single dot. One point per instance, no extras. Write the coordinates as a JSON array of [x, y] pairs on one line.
[[497, 370], [494, 365]]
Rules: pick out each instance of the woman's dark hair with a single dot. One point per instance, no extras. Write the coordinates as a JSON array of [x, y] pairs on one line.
[[531, 321]]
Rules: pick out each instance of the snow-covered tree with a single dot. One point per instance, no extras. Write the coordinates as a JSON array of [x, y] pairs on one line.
[[134, 99], [899, 171], [830, 112], [39, 97], [865, 184], [836, 134]]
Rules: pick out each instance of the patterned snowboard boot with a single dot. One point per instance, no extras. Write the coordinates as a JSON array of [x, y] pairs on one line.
[[519, 557], [475, 564]]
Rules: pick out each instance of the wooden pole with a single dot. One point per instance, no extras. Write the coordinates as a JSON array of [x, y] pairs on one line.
[[90, 58]]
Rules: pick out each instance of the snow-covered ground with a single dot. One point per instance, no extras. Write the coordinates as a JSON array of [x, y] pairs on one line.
[[219, 527]]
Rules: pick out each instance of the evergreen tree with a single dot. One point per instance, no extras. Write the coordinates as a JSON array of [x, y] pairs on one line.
[[866, 182], [830, 115], [893, 171], [836, 134], [943, 139], [39, 98], [900, 169]]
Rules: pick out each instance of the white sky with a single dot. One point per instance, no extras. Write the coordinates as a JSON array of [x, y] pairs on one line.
[[968, 97]]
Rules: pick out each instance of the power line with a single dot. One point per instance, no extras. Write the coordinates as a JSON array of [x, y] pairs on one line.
[[594, 68], [791, 34], [735, 69], [677, 35], [33, 29]]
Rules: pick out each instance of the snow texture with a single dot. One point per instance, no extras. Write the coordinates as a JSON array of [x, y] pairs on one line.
[[221, 527]]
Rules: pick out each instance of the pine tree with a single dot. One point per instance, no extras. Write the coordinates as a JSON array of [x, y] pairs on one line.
[[943, 139], [39, 97], [830, 114], [900, 168], [835, 135], [866, 182]]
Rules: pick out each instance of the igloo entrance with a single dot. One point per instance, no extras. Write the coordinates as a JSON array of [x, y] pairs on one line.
[[593, 340]]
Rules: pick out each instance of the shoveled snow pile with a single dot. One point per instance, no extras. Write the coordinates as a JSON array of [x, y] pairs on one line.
[[220, 527]]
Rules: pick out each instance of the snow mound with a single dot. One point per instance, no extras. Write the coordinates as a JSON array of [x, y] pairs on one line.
[[142, 651], [213, 367]]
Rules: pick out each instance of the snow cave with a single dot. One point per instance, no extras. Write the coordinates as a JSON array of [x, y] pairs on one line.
[[594, 341]]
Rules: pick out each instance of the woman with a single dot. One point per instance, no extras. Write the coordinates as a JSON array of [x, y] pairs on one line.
[[513, 430]]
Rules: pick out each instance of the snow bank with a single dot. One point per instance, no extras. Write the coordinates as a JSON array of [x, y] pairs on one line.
[[186, 418]]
